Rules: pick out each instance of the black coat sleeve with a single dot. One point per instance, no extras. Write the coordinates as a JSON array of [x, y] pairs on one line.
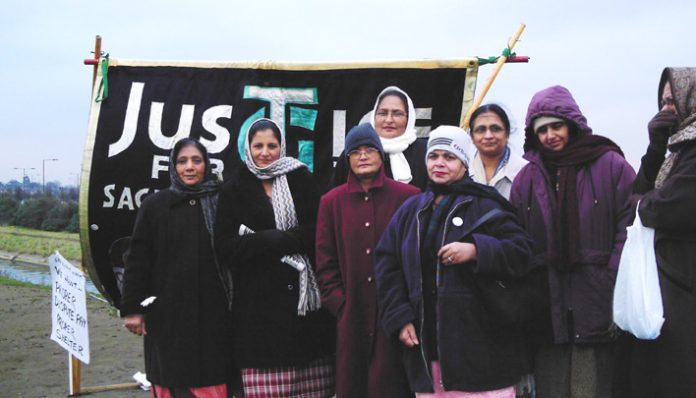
[[140, 261], [649, 166], [270, 243], [340, 173], [672, 206]]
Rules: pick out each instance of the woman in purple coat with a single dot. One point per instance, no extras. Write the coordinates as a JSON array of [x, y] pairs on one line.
[[572, 198]]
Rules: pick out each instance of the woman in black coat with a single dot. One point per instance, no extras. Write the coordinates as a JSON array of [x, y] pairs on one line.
[[174, 293], [265, 234], [666, 366]]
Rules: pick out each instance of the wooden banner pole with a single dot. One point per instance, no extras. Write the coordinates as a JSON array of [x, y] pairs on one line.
[[97, 56], [74, 364], [498, 66]]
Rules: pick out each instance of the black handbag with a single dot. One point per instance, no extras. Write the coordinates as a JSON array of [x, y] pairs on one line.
[[510, 301]]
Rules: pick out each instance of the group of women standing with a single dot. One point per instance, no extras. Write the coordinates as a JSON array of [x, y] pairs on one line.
[[232, 305]]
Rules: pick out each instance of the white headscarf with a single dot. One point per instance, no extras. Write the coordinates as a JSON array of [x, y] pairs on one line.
[[395, 147]]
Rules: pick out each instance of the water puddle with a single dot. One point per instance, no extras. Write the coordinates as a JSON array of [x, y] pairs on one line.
[[33, 273]]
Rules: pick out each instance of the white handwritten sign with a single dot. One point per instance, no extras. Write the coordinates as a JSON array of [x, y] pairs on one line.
[[69, 308]]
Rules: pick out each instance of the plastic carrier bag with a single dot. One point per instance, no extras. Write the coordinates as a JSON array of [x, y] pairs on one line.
[[637, 297]]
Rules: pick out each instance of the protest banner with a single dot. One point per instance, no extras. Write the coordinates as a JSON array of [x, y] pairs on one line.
[[145, 107], [70, 328]]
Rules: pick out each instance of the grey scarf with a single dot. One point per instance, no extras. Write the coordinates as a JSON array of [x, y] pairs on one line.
[[286, 218], [687, 132]]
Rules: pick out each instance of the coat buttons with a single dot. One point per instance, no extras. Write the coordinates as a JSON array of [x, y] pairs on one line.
[[367, 198], [290, 287], [192, 202], [369, 279], [457, 221], [367, 224], [368, 251]]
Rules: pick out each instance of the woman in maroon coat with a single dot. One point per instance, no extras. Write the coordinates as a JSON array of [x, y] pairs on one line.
[[351, 220]]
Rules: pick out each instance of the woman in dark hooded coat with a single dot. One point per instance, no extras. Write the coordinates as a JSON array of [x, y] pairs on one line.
[[573, 198]]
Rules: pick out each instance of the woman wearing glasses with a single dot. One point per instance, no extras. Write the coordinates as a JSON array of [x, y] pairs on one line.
[[494, 163], [572, 197], [394, 119]]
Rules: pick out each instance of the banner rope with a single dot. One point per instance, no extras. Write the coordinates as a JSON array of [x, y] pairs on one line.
[[103, 91]]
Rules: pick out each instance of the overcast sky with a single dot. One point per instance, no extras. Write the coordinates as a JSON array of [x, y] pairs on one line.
[[608, 53]]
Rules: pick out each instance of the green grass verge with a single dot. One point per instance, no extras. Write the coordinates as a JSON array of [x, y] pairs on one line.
[[5, 281], [41, 243]]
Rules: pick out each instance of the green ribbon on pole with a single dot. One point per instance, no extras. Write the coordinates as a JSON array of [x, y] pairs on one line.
[[491, 60], [103, 92]]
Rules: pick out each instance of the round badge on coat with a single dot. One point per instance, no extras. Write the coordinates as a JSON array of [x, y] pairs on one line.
[[457, 221]]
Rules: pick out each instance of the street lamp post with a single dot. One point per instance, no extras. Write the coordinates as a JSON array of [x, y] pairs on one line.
[[43, 173], [24, 173]]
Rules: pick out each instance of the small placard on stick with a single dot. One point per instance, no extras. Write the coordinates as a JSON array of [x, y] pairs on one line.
[[69, 308]]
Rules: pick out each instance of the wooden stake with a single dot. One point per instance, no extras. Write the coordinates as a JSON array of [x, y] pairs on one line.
[[74, 364], [491, 78], [74, 374], [97, 56]]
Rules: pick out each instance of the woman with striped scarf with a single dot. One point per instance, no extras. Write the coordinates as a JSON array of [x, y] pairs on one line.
[[264, 232]]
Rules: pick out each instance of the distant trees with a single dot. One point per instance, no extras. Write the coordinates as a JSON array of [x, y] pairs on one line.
[[8, 208], [45, 212]]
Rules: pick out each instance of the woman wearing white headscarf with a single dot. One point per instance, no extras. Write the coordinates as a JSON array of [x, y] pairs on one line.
[[264, 232], [394, 119]]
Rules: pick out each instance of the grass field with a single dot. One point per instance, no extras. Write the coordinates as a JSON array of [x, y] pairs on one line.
[[41, 243]]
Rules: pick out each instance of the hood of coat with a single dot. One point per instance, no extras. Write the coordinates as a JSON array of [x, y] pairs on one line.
[[553, 101], [683, 82]]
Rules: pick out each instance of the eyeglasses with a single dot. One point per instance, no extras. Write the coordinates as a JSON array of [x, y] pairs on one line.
[[554, 126], [358, 152], [384, 114], [493, 128], [666, 101]]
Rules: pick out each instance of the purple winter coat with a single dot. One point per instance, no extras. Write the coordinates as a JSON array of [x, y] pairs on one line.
[[603, 189]]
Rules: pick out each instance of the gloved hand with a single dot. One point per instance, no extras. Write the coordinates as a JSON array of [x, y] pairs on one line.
[[660, 127]]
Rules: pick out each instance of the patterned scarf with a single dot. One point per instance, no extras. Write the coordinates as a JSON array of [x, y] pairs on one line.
[[286, 218], [687, 132]]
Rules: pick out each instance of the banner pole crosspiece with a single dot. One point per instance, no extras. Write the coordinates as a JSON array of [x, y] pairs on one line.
[[498, 66]]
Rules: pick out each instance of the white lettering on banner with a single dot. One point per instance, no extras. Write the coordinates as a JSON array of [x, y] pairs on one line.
[[279, 97], [154, 129], [126, 199], [130, 124], [339, 132], [222, 135], [159, 163], [108, 189], [70, 328], [217, 166], [209, 121]]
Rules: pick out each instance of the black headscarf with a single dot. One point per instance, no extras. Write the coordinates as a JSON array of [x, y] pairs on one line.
[[206, 191]]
